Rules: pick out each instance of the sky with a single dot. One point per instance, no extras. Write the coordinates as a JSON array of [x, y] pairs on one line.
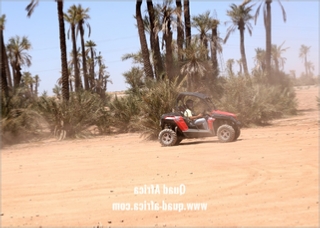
[[113, 29]]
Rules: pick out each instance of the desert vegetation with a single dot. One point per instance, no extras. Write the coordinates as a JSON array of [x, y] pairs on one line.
[[187, 62]]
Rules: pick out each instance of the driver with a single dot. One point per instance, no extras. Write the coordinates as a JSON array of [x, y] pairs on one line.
[[198, 119]]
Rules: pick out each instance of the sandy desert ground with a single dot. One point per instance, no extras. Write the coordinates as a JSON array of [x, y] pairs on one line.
[[269, 177]]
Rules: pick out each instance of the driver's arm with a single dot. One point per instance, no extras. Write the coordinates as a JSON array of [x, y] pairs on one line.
[[195, 117], [188, 114]]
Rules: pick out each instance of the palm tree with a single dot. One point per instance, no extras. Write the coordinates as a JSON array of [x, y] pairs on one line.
[[215, 47], [194, 65], [63, 47], [187, 21], [267, 25], [106, 80], [4, 59], [57, 91], [143, 42], [83, 16], [310, 67], [239, 61], [277, 58], [304, 51], [28, 82], [63, 50], [293, 74], [18, 56], [240, 19], [101, 82], [90, 48], [180, 32], [71, 68], [229, 64], [134, 78], [71, 79], [5, 70], [154, 40], [202, 23], [72, 18], [167, 12], [260, 59], [36, 84], [135, 57]]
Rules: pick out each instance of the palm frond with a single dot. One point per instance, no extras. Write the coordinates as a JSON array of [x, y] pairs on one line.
[[31, 6]]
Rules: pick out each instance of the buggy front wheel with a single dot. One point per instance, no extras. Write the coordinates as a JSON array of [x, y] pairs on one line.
[[226, 133], [167, 137]]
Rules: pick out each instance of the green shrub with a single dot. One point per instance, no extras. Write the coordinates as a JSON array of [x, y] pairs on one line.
[[21, 125], [103, 121], [124, 111], [256, 103], [73, 118], [16, 100], [157, 100], [305, 80], [19, 121]]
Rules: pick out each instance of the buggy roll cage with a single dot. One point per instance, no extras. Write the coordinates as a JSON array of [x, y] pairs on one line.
[[206, 99]]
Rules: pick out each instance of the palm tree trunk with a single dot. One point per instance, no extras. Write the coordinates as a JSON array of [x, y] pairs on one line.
[[14, 74], [8, 73], [186, 7], [89, 74], [305, 65], [3, 78], [169, 55], [6, 62], [7, 66], [63, 50], [36, 86], [154, 42], [104, 88], [3, 81], [143, 42], [214, 58], [243, 53], [75, 59], [84, 62], [92, 68], [31, 88], [100, 80], [180, 33], [18, 75], [70, 83], [276, 64], [204, 42], [268, 41], [4, 84]]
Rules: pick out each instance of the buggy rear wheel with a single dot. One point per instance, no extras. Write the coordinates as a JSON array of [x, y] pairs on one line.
[[237, 134], [179, 139], [167, 137], [226, 133]]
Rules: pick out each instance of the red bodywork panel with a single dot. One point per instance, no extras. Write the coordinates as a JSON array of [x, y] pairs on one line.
[[210, 123], [224, 113], [181, 123]]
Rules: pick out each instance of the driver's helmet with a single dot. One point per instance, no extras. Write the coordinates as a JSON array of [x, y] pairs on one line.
[[189, 103]]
